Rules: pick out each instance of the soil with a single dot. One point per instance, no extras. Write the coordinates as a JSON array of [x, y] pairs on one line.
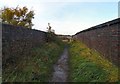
[[60, 73]]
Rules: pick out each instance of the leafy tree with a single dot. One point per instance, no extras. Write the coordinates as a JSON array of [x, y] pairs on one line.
[[51, 36], [17, 16], [49, 29]]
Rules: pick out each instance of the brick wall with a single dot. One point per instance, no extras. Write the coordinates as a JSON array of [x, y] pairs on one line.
[[17, 42], [105, 38]]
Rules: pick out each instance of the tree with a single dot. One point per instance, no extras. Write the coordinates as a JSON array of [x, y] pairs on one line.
[[50, 34], [49, 29], [17, 16]]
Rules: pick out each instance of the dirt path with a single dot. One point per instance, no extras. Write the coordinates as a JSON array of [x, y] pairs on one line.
[[60, 73]]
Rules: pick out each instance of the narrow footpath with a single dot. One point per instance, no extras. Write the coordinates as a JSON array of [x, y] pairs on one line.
[[60, 73]]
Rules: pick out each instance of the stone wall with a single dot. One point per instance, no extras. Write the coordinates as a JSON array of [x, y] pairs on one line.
[[105, 38], [17, 42]]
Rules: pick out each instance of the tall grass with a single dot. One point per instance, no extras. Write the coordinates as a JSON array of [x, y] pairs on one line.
[[87, 65], [37, 67]]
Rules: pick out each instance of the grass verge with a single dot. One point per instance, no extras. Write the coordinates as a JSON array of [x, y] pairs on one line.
[[36, 67], [87, 65]]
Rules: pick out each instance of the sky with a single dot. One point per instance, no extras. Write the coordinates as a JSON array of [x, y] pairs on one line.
[[67, 16]]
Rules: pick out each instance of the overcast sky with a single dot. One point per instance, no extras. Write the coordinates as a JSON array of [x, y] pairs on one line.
[[68, 16]]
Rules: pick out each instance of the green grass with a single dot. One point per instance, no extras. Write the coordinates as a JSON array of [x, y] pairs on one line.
[[37, 67], [0, 80], [87, 65]]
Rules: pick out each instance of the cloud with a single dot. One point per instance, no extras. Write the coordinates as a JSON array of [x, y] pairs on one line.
[[65, 16]]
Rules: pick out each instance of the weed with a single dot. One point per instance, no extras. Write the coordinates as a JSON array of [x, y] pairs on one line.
[[87, 65], [36, 67]]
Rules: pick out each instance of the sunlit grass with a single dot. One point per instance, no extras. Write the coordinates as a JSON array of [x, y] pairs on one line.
[[88, 65]]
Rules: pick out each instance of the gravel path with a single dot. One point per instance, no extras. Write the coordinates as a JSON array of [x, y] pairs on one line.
[[60, 73]]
